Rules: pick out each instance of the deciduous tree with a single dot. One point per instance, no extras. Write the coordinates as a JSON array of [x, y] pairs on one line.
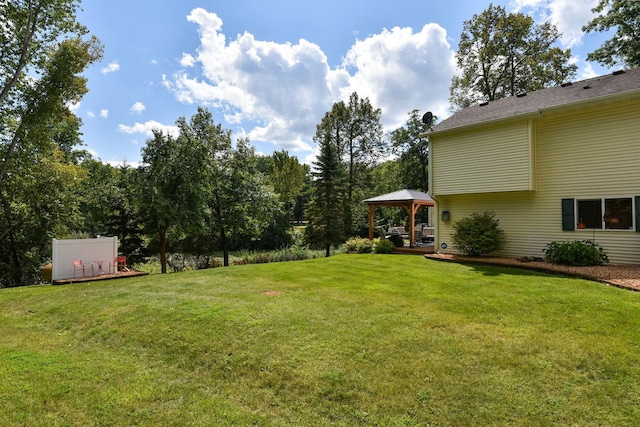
[[624, 46], [169, 196], [412, 150], [357, 133], [502, 54]]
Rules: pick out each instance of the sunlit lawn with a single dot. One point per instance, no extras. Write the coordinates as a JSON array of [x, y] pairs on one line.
[[350, 340]]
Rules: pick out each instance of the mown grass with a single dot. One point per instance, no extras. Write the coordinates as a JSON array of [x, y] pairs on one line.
[[350, 340]]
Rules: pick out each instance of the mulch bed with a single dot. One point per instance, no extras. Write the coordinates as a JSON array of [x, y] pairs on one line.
[[623, 276]]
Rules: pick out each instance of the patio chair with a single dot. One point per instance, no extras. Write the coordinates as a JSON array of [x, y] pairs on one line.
[[118, 264], [78, 265]]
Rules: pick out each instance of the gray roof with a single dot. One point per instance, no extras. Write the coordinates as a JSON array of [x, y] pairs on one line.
[[402, 196], [618, 82]]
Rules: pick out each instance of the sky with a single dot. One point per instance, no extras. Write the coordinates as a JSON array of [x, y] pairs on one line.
[[270, 69]]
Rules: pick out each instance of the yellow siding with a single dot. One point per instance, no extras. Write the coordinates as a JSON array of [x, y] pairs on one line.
[[586, 154], [491, 159]]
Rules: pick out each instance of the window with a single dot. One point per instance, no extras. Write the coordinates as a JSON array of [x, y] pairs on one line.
[[618, 214], [608, 214]]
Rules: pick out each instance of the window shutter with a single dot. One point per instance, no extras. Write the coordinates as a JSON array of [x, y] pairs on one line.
[[568, 215], [637, 203]]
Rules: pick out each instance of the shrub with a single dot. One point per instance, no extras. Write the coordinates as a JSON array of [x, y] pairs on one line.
[[478, 234], [351, 245], [577, 252], [365, 246], [383, 246], [359, 245]]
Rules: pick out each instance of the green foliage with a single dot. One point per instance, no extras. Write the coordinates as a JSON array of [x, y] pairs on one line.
[[478, 234], [383, 246], [359, 245], [503, 54], [624, 46], [413, 153], [43, 55], [363, 245], [355, 130], [576, 252], [327, 219]]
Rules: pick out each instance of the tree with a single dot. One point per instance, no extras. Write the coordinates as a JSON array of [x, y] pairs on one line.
[[413, 152], [38, 202], [502, 54], [624, 46], [287, 177], [39, 38], [238, 203], [41, 57], [356, 132], [327, 225], [170, 186], [110, 206]]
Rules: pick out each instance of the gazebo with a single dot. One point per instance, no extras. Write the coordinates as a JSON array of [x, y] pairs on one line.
[[410, 200]]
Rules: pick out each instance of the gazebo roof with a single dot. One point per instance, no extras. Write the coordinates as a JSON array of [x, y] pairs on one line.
[[402, 197]]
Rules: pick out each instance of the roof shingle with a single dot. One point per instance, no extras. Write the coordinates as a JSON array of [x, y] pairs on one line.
[[569, 93]]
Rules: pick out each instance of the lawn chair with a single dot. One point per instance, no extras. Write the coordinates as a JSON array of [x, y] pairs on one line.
[[118, 264], [78, 265]]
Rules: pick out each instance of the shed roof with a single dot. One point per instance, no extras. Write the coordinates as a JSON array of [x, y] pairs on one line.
[[402, 196], [618, 82]]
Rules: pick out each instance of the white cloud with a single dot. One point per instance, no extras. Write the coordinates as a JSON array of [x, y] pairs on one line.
[[114, 66], [91, 114], [284, 89], [137, 108], [187, 60], [400, 70], [104, 113], [568, 15], [148, 127]]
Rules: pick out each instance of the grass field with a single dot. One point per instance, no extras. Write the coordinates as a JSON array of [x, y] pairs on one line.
[[382, 340]]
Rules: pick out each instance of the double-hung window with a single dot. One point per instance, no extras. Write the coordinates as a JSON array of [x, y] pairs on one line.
[[600, 214]]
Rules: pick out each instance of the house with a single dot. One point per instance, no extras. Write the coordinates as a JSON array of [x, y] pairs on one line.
[[557, 164]]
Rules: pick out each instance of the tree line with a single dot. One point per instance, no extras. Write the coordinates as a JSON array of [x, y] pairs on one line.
[[202, 191]]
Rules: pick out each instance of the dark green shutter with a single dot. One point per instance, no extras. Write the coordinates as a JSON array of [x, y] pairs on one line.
[[637, 201], [568, 215]]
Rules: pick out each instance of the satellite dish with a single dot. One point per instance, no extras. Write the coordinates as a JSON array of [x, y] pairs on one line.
[[427, 119]]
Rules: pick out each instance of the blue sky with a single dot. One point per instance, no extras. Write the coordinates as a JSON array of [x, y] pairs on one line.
[[270, 69]]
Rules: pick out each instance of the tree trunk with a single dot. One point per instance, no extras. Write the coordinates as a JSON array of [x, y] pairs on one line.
[[328, 251], [225, 246], [163, 249]]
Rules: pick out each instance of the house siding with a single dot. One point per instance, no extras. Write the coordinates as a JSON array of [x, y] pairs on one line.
[[590, 153], [492, 159]]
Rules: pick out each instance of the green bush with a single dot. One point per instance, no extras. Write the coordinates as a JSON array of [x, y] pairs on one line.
[[365, 246], [383, 246], [351, 245], [577, 252], [478, 234]]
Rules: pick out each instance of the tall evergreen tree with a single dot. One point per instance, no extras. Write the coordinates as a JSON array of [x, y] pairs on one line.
[[326, 211], [356, 132]]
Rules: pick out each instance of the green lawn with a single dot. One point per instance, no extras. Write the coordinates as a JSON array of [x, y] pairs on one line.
[[383, 340]]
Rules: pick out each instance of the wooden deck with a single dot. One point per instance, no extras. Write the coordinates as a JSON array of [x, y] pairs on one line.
[[120, 275], [416, 250]]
